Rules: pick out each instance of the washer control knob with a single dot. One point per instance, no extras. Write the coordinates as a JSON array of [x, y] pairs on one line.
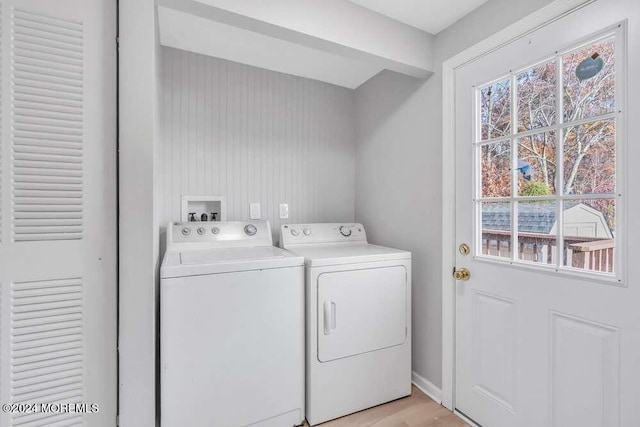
[[345, 231], [295, 232], [306, 232], [250, 230], [215, 230], [201, 231], [186, 231]]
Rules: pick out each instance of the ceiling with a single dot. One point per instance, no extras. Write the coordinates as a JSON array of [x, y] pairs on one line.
[[431, 16]]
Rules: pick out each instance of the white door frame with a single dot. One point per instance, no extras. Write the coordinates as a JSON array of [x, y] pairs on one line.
[[534, 21]]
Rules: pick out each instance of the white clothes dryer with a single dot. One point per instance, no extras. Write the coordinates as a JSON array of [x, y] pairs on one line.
[[358, 310], [231, 328]]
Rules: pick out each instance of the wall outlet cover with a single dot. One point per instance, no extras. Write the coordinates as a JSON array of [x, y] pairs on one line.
[[284, 210], [254, 211]]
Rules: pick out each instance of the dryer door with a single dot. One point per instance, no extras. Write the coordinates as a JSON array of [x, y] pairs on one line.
[[361, 311]]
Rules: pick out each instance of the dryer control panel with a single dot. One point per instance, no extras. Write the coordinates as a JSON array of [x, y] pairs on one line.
[[294, 234]]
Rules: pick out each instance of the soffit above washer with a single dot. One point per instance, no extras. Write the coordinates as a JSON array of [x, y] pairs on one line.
[[431, 16], [335, 41], [194, 34]]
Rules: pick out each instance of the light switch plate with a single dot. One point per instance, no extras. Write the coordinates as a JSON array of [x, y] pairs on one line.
[[254, 211], [284, 210]]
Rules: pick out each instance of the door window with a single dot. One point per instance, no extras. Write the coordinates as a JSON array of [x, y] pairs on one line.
[[545, 161]]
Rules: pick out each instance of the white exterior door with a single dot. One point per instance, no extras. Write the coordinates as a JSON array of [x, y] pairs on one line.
[[548, 325], [58, 212]]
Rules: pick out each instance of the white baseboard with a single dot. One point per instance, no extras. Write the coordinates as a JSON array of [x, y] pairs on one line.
[[426, 386]]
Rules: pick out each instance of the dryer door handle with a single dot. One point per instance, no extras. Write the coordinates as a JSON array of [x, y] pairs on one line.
[[329, 317]]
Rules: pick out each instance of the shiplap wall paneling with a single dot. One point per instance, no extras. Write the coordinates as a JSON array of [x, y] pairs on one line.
[[254, 135]]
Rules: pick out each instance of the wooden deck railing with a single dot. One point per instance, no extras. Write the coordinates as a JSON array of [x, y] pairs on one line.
[[596, 255], [588, 253]]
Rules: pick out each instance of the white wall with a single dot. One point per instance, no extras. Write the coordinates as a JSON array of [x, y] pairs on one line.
[[138, 228], [399, 173], [254, 135]]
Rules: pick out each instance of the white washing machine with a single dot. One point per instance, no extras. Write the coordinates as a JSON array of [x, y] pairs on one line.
[[232, 328], [358, 307]]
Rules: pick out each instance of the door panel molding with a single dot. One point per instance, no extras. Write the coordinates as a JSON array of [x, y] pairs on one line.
[[599, 360], [494, 344]]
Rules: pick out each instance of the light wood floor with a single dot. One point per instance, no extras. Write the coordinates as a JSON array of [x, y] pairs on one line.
[[417, 410]]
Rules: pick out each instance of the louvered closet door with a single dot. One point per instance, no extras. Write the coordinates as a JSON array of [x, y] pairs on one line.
[[58, 210]]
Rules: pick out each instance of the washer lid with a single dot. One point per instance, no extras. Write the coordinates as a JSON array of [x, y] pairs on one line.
[[224, 260], [215, 256], [317, 255]]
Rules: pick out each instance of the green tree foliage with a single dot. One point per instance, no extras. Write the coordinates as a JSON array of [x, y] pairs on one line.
[[534, 188]]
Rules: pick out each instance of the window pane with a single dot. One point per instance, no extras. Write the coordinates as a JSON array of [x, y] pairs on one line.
[[590, 158], [496, 229], [537, 164], [589, 231], [496, 169], [537, 232], [495, 110], [590, 96], [536, 90]]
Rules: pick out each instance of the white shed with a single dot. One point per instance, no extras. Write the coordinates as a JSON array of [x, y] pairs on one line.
[[584, 221]]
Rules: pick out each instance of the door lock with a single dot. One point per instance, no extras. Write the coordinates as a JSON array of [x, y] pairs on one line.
[[464, 249], [462, 274]]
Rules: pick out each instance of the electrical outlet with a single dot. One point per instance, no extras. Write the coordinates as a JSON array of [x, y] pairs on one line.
[[284, 210], [254, 211]]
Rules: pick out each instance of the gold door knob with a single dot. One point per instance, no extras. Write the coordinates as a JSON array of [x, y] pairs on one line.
[[462, 274]]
